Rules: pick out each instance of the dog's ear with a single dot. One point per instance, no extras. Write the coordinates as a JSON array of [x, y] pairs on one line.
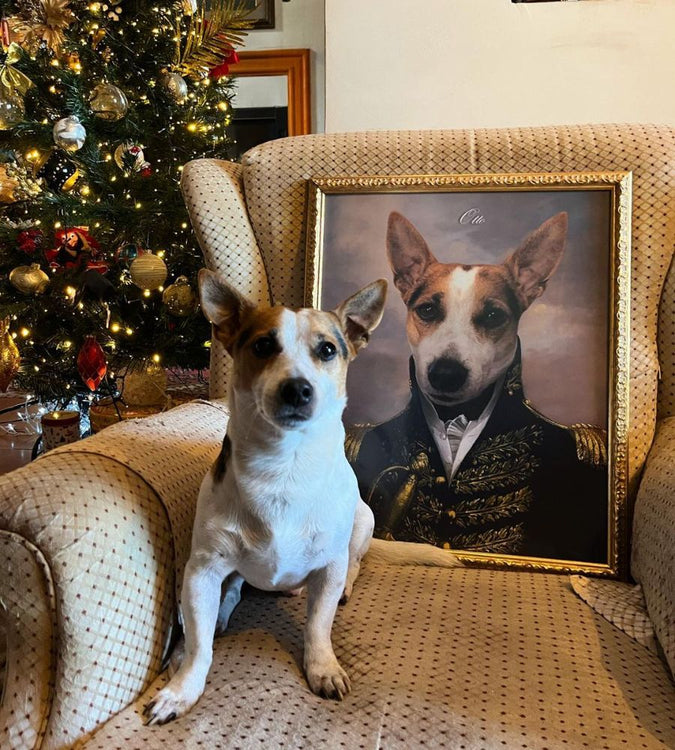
[[537, 258], [408, 253], [361, 313], [223, 306]]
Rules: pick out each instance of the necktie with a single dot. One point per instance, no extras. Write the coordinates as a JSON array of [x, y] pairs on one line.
[[455, 429]]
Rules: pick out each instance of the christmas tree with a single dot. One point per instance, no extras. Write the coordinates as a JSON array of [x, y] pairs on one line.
[[101, 105]]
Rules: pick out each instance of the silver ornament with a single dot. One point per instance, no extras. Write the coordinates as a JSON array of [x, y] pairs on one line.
[[69, 134], [175, 86], [108, 102]]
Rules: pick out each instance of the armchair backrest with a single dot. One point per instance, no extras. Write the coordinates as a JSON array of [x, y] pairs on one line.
[[262, 213]]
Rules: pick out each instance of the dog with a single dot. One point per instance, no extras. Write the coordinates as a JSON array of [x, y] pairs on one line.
[[280, 508], [469, 463]]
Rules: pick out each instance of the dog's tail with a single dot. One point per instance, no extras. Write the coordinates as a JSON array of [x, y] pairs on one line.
[[411, 553]]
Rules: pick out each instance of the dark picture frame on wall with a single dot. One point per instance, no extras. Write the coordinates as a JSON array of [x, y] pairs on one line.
[[261, 13], [489, 413]]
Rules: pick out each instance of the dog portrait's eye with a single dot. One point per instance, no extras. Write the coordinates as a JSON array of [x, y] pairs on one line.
[[492, 317], [427, 311], [265, 347], [326, 351]]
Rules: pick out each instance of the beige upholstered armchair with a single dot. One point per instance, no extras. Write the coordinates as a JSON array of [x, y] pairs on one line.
[[94, 536]]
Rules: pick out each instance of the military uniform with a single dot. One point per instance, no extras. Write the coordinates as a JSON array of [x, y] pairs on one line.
[[527, 486]]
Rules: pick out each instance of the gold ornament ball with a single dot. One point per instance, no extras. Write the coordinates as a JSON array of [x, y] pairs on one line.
[[179, 298], [12, 110], [148, 271], [108, 102], [176, 86], [144, 386], [9, 356], [29, 279]]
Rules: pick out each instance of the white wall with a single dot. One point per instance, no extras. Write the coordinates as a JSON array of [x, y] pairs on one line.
[[490, 63], [299, 24]]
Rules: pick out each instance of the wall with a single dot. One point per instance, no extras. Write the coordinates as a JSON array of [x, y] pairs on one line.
[[484, 63], [299, 24]]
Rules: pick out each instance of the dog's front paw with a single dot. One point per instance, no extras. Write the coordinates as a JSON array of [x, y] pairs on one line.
[[166, 706], [328, 679]]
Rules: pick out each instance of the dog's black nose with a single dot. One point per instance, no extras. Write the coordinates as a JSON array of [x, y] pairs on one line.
[[296, 392], [447, 375]]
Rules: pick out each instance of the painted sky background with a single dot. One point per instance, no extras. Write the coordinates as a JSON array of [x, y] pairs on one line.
[[564, 333]]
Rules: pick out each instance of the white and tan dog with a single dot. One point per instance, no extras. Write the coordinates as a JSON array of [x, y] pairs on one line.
[[280, 508]]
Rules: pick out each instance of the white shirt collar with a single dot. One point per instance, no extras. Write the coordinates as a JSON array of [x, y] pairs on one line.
[[455, 438]]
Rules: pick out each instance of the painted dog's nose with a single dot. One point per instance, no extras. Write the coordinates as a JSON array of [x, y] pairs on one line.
[[447, 375], [296, 392]]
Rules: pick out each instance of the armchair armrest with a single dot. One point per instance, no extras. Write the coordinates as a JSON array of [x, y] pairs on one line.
[[93, 538], [653, 562], [214, 195]]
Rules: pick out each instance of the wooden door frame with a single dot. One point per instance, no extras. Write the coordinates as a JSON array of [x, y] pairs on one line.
[[292, 63]]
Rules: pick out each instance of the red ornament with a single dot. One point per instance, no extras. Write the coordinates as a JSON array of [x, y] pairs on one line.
[[224, 68], [91, 363], [29, 241], [146, 171]]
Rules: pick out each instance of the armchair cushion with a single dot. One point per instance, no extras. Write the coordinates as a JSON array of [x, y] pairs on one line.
[[438, 658]]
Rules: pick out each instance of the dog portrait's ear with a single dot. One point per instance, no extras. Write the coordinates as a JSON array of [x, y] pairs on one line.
[[223, 306], [408, 253], [537, 258], [361, 313]]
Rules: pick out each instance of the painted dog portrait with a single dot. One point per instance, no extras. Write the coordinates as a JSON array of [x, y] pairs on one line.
[[479, 420]]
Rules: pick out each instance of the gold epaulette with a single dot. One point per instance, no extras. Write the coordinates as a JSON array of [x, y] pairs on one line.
[[354, 438], [590, 441]]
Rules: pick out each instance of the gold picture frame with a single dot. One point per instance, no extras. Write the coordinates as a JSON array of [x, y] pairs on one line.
[[347, 228]]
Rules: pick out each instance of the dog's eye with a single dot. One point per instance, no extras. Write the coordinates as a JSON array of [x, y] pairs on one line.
[[265, 347], [326, 351], [492, 317], [427, 311]]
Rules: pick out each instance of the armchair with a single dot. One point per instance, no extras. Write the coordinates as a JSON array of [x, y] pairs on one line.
[[94, 536]]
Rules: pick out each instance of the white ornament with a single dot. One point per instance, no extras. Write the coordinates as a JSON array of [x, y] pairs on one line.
[[69, 134]]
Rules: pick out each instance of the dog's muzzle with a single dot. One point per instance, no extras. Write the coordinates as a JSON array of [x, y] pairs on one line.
[[296, 401], [447, 375]]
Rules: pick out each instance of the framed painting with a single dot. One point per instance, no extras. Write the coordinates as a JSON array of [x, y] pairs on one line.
[[261, 13], [488, 415]]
